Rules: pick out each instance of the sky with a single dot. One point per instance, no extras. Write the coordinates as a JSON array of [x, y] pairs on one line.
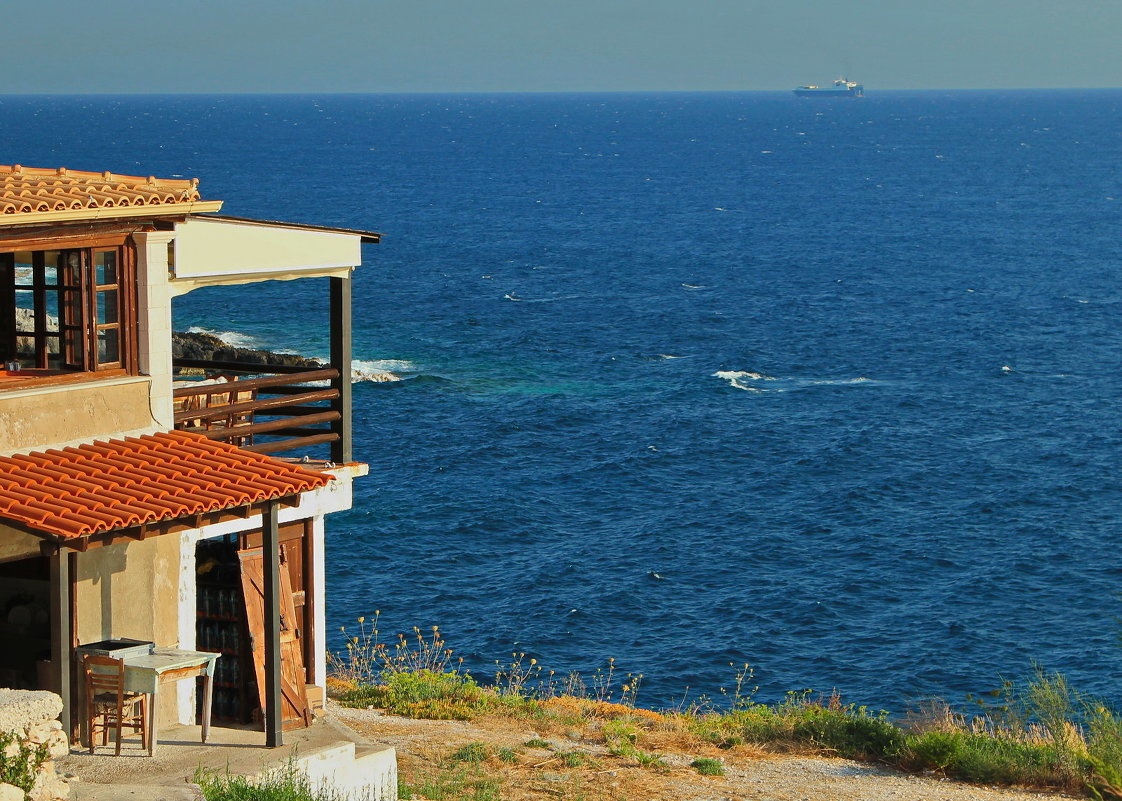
[[157, 46]]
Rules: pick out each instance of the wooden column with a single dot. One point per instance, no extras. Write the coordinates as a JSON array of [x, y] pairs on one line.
[[270, 548], [61, 636], [341, 360]]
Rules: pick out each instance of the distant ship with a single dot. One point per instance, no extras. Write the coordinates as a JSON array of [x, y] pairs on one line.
[[843, 87]]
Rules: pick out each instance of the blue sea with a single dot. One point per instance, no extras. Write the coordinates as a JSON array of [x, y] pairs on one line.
[[698, 380]]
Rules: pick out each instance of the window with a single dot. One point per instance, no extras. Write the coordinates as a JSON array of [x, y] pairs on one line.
[[67, 309]]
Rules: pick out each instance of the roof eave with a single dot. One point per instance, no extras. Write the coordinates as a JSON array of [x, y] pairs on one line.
[[111, 213]]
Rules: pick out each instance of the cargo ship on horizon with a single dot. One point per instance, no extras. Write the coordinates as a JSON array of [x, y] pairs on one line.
[[842, 87]]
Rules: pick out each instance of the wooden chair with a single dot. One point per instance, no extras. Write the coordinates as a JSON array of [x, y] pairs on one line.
[[108, 706]]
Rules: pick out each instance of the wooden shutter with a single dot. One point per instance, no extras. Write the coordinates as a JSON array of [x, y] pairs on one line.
[[294, 710]]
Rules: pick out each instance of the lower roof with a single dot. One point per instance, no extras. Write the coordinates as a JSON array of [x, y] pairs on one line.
[[117, 484]]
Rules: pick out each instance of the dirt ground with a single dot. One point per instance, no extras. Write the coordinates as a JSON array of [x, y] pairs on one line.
[[575, 765]]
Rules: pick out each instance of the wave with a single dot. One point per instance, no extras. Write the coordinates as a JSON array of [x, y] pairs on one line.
[[750, 381], [235, 339], [381, 371]]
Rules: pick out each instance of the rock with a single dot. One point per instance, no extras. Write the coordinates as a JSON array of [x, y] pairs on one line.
[[18, 707], [209, 348], [9, 792]]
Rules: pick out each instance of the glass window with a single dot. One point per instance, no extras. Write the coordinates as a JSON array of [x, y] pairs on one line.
[[66, 308], [105, 267]]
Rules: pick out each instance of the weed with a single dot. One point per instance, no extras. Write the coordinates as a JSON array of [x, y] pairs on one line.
[[284, 784], [537, 742], [707, 766], [507, 755], [575, 759], [742, 695], [367, 659], [475, 753]]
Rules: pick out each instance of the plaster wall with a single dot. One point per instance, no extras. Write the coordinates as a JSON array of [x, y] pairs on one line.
[[72, 413], [16, 544], [129, 590], [154, 320]]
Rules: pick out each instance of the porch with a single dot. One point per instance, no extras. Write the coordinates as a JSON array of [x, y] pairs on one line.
[[327, 751]]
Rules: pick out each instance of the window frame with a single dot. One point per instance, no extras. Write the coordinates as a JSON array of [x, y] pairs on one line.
[[78, 302]]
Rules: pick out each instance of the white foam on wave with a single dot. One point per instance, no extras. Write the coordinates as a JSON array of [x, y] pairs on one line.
[[235, 339], [750, 381], [736, 375], [380, 371], [743, 379]]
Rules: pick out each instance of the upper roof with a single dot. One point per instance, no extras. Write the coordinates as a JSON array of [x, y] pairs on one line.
[[119, 484], [33, 195]]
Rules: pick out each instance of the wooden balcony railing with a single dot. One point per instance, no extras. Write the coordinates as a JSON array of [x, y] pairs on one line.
[[270, 410]]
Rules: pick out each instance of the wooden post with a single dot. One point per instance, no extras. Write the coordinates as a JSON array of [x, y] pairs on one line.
[[61, 636], [341, 360], [270, 548]]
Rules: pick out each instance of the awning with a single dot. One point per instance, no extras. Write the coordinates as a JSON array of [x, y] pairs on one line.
[[138, 484]]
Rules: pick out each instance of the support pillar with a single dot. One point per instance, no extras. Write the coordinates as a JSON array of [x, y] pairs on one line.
[[270, 555], [341, 360], [61, 634]]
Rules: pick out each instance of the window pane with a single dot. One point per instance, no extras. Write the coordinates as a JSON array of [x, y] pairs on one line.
[[108, 346], [54, 357], [25, 274], [52, 310], [107, 308], [25, 299], [105, 266]]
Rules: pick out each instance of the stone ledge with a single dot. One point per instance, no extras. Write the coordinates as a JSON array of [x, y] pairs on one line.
[[21, 708]]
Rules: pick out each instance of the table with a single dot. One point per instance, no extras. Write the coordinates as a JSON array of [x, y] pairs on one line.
[[145, 673]]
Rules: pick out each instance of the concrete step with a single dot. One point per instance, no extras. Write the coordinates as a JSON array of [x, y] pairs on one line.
[[83, 791], [366, 773]]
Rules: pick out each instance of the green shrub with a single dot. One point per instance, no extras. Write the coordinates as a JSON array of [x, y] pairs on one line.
[[708, 767], [19, 767], [422, 694]]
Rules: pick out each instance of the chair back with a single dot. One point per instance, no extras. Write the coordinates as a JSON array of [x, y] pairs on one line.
[[104, 674]]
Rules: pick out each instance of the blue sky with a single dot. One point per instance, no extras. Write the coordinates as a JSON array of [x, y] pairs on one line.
[[81, 46]]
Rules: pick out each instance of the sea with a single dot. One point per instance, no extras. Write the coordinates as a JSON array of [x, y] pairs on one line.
[[670, 384]]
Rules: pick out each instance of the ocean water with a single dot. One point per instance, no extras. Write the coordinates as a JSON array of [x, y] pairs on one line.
[[693, 381]]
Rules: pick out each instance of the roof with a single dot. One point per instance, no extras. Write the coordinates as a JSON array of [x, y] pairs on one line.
[[368, 237], [127, 483], [32, 195]]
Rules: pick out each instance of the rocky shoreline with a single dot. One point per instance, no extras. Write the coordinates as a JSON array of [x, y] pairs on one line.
[[209, 348]]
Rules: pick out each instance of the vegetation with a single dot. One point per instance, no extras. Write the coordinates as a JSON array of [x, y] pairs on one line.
[[20, 761], [284, 784], [1039, 733]]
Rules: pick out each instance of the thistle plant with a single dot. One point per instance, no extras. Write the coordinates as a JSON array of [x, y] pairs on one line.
[[368, 660]]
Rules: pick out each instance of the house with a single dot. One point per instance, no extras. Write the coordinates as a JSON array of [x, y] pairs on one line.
[[153, 499]]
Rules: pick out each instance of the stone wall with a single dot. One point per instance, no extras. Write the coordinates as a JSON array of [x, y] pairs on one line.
[[33, 716]]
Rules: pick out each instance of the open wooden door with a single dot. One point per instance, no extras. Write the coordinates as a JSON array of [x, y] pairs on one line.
[[294, 712]]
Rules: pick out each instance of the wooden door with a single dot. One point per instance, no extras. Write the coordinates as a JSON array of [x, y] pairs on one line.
[[294, 711]]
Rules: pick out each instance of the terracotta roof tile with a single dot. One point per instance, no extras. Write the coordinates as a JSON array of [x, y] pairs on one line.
[[121, 483], [30, 190]]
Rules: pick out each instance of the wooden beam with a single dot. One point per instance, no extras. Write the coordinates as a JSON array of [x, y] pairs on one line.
[[270, 552], [59, 562], [341, 360]]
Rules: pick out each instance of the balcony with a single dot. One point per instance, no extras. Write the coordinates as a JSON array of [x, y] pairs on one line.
[[262, 408]]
